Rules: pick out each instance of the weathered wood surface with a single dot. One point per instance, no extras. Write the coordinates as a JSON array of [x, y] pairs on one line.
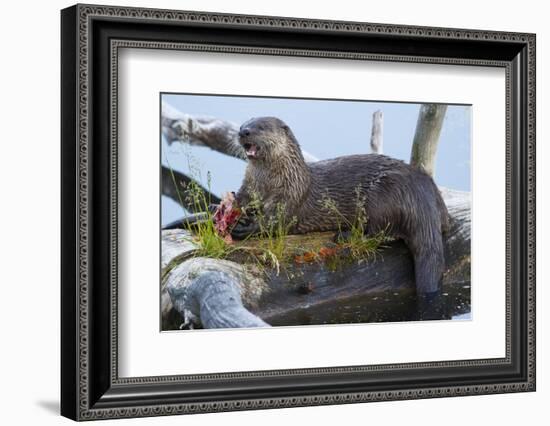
[[426, 136], [219, 293]]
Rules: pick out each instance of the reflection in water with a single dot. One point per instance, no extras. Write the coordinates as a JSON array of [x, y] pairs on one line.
[[388, 306]]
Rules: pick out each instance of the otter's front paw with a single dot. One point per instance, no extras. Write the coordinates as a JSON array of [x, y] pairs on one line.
[[244, 228]]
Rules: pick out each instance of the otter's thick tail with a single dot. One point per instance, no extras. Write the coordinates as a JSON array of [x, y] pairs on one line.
[[429, 264], [427, 245]]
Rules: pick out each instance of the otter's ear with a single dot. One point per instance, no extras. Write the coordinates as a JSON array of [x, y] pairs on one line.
[[285, 128]]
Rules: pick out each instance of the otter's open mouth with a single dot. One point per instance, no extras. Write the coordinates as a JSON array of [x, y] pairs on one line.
[[251, 150]]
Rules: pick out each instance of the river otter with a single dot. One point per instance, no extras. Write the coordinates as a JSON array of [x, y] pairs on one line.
[[399, 198]]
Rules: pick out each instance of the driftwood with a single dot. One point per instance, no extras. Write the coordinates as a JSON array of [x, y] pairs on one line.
[[426, 136], [209, 292], [219, 294]]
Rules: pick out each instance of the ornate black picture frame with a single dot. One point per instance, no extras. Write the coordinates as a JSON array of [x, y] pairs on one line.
[[91, 387]]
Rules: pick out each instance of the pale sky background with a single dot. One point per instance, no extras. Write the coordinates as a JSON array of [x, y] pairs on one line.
[[324, 128]]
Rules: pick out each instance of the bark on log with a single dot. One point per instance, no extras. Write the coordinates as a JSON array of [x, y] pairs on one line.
[[219, 293], [426, 137], [210, 292]]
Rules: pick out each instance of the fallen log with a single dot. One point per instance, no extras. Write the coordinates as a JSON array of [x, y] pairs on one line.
[[212, 293]]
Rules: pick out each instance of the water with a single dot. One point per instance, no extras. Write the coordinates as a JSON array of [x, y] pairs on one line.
[[386, 306]]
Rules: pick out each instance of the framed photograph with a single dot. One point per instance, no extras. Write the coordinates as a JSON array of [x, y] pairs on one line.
[[263, 212]]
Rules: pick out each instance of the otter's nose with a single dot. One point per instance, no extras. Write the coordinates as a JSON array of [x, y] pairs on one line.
[[244, 132]]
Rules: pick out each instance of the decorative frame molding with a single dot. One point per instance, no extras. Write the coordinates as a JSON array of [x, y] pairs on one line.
[[91, 37]]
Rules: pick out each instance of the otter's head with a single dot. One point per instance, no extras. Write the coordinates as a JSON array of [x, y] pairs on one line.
[[267, 138]]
